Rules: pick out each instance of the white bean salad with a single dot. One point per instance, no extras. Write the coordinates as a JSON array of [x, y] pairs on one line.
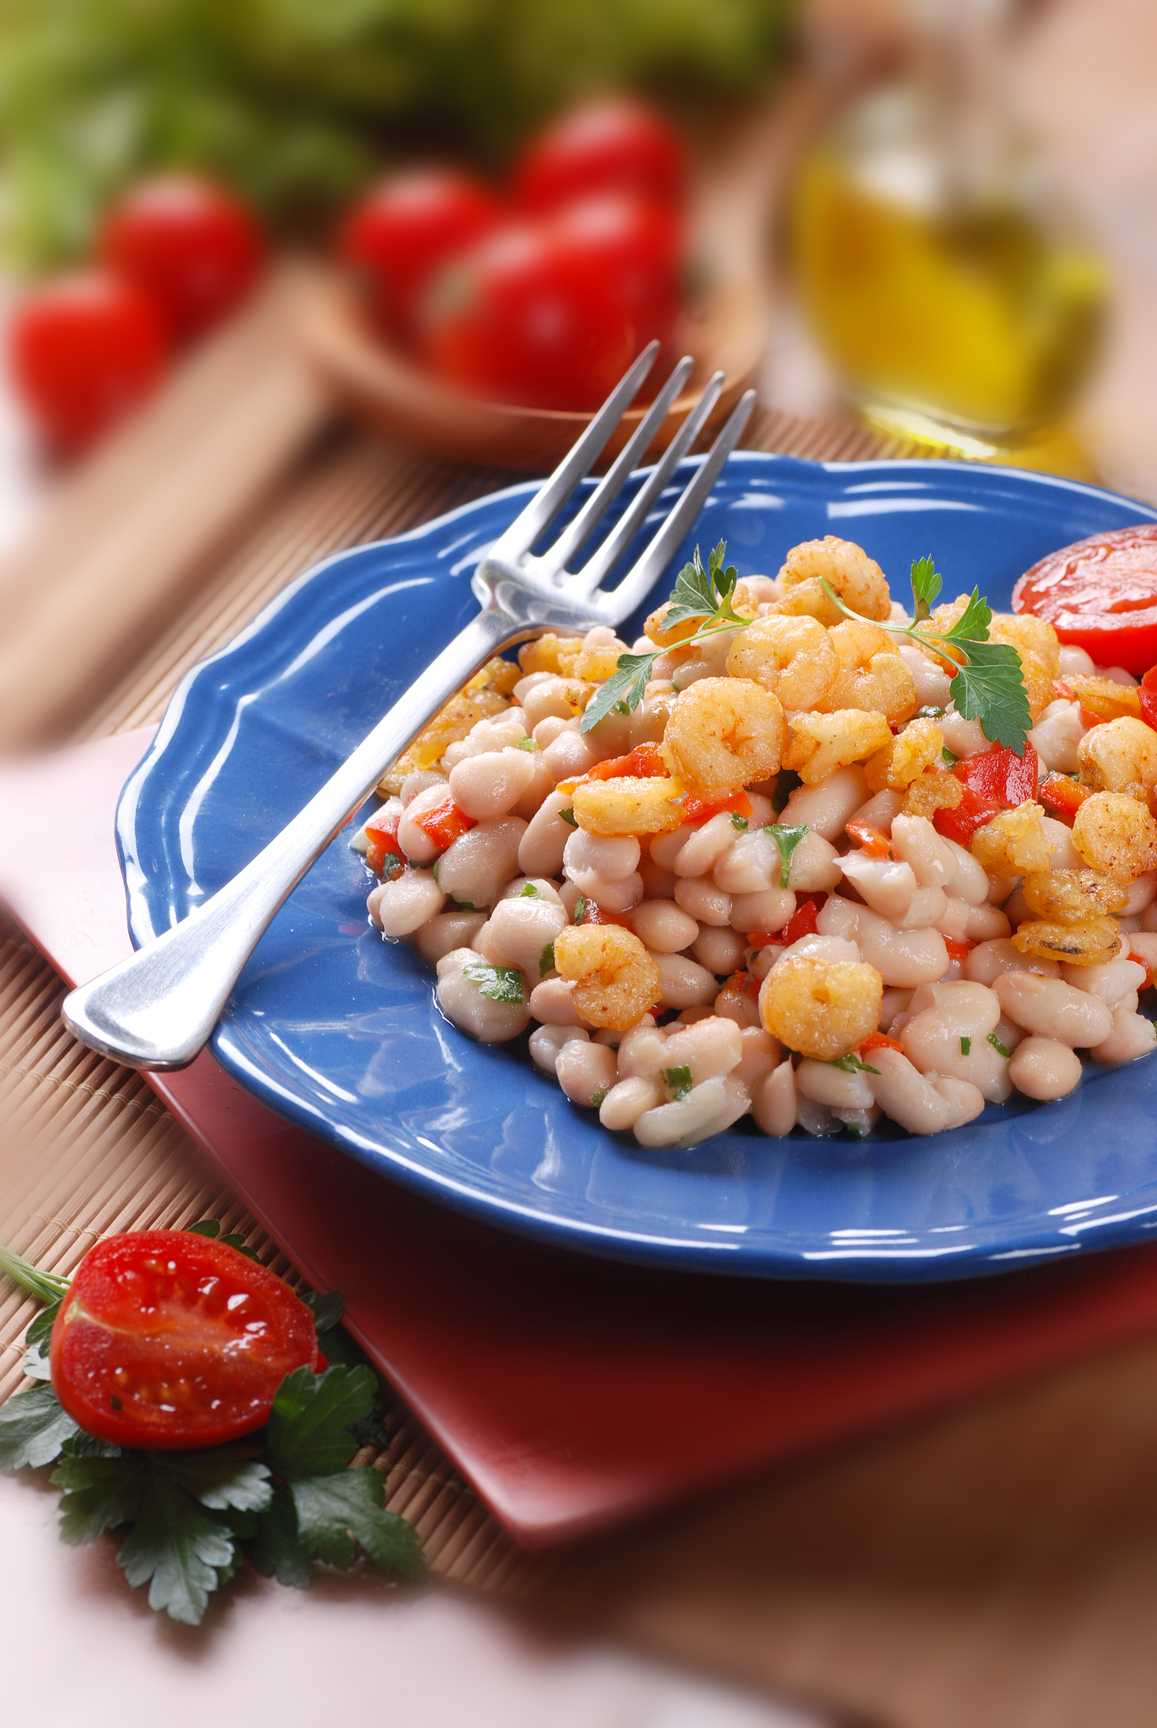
[[772, 865]]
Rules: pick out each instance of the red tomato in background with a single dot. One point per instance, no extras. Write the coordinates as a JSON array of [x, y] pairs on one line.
[[614, 145], [1100, 594], [171, 1340], [83, 351], [403, 231], [639, 246], [188, 243], [524, 319]]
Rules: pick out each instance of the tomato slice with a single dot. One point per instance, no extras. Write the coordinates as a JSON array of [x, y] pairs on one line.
[[170, 1340], [1100, 594]]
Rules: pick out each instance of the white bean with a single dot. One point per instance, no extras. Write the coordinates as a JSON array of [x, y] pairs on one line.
[[888, 887], [541, 785], [706, 1110], [901, 957], [827, 807], [544, 889], [548, 730], [985, 962], [963, 737], [1145, 945], [1053, 1009], [658, 884], [750, 864], [1065, 855], [1132, 1036], [665, 848], [414, 841], [462, 1002], [663, 926], [613, 858], [546, 1042], [1141, 894], [894, 1009], [761, 1053], [825, 1084], [964, 1101], [643, 1051], [710, 1046], [491, 784], [1045, 1069], [709, 841], [813, 1118], [552, 1002], [880, 811], [530, 682], [815, 865], [405, 904], [445, 932], [817, 947], [683, 983], [969, 880], [951, 1037], [720, 950], [987, 924], [929, 855], [475, 868], [699, 896], [905, 1095], [627, 1100], [1113, 982], [933, 687], [610, 896], [542, 845], [520, 932], [585, 1071], [1075, 661], [953, 921], [420, 781], [553, 695], [767, 911], [774, 1101], [569, 757], [1056, 735]]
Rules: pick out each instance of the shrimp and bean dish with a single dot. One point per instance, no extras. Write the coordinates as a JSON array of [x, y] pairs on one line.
[[768, 861]]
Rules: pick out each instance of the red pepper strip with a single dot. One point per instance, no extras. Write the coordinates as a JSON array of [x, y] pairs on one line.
[[999, 776], [1148, 695], [971, 813], [803, 920], [382, 834], [1061, 795], [702, 809], [760, 938], [958, 947], [873, 840], [1062, 690], [879, 1041], [444, 823]]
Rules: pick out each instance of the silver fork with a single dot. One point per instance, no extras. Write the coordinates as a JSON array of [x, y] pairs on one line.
[[157, 1009]]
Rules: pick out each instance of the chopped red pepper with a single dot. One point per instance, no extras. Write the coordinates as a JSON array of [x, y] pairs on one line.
[[873, 840], [1148, 694], [1142, 961], [803, 920], [382, 834], [880, 1041], [961, 823], [444, 824], [999, 776], [1061, 795], [642, 763], [760, 938], [702, 809], [739, 985], [958, 947]]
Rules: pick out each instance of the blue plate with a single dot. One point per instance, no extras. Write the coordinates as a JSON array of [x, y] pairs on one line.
[[338, 1030]]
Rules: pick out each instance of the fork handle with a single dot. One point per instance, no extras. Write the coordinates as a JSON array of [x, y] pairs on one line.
[[157, 1009]]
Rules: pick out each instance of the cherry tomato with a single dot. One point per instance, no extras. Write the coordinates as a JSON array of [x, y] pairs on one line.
[[638, 245], [188, 243], [403, 231], [524, 319], [167, 1339], [614, 145], [84, 349], [1100, 594]]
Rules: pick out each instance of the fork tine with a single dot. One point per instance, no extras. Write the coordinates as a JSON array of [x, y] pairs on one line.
[[586, 580], [612, 483], [643, 575], [554, 492]]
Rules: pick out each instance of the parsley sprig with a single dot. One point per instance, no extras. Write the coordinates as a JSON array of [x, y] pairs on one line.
[[284, 1499], [698, 593], [989, 681]]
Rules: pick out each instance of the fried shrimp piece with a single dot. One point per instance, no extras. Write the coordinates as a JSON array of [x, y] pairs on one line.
[[629, 806], [1028, 635], [1092, 942], [1116, 834], [1073, 896], [871, 674], [905, 757], [821, 743], [1119, 756], [664, 636], [550, 653], [723, 734], [933, 789], [790, 656], [822, 1008], [1104, 697], [941, 620], [615, 979], [1013, 843], [1037, 681], [856, 578]]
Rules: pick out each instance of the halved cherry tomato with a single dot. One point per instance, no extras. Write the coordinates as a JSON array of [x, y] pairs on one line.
[[167, 1339], [402, 232], [612, 145], [189, 244], [1100, 594], [382, 834], [1148, 697], [879, 1041], [703, 809], [803, 920], [444, 824], [1061, 795], [873, 840], [636, 244]]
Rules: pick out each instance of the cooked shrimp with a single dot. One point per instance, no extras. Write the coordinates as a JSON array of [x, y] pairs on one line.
[[871, 673], [1092, 942], [629, 806], [1013, 843], [933, 789], [822, 1008], [615, 979], [789, 655], [667, 636], [1104, 697], [856, 578], [821, 743], [1119, 756], [1070, 896], [725, 733], [1028, 635], [1116, 834], [905, 757]]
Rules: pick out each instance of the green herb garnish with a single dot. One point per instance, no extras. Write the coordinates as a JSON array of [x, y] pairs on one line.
[[965, 1046], [529, 892], [211, 1227], [580, 910], [786, 839], [569, 817], [527, 744], [496, 983], [546, 960], [997, 1045], [679, 1081], [738, 822], [596, 1099], [851, 1064]]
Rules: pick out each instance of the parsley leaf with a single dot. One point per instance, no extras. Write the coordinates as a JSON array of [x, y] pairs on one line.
[[991, 689], [496, 983], [36, 1343], [786, 838], [851, 1064], [334, 1511], [569, 817], [306, 1433], [580, 909], [277, 1552], [786, 782], [33, 1428], [529, 892], [596, 1099], [926, 586], [211, 1227], [527, 744], [738, 822], [628, 683], [700, 593], [679, 1081], [546, 960], [176, 1547]]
